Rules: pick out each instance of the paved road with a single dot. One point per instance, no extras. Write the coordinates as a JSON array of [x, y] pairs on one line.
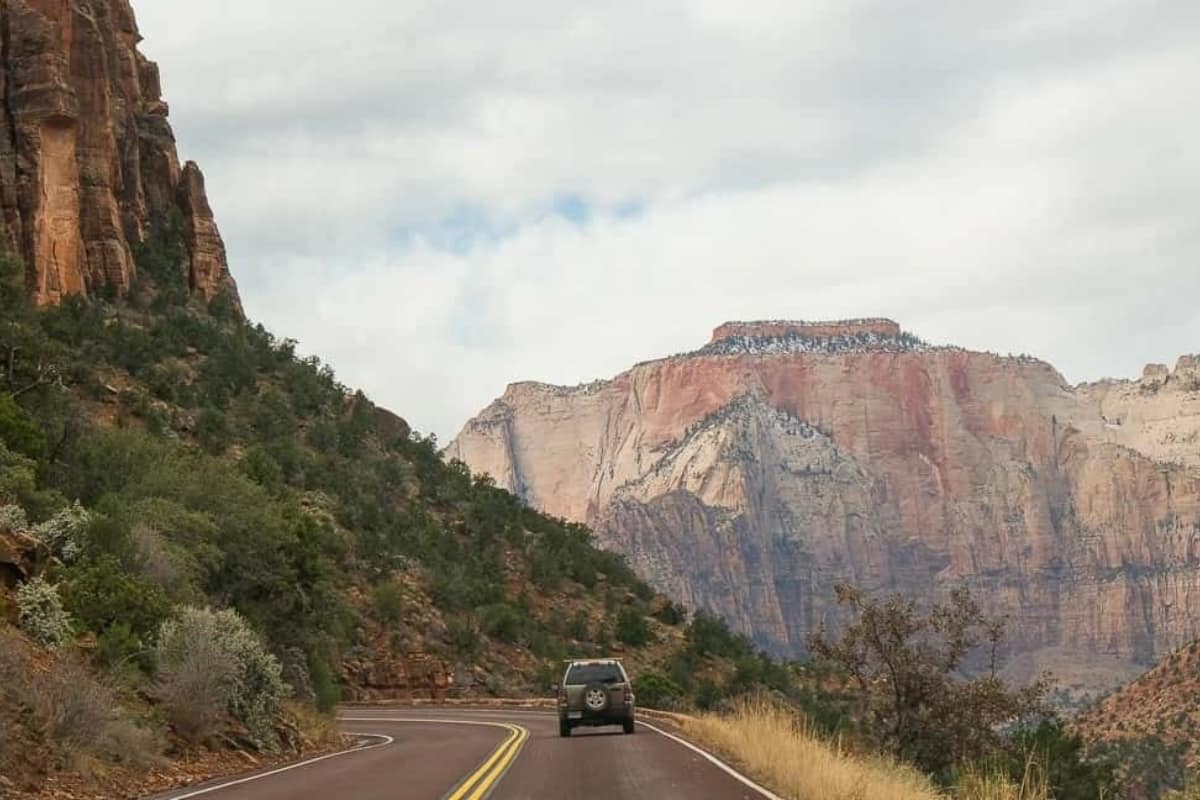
[[463, 754]]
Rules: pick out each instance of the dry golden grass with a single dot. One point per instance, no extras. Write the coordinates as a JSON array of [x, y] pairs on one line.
[[317, 731], [767, 742], [981, 784], [785, 755]]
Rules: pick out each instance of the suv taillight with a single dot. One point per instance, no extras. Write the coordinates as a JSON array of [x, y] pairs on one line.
[[562, 695], [628, 694]]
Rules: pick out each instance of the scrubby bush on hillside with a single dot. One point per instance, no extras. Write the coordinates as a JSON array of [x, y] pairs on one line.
[[1061, 758], [906, 665], [13, 518], [654, 690], [19, 491], [66, 532], [19, 431], [117, 604], [65, 709], [632, 628], [502, 621], [41, 614], [210, 663], [671, 614]]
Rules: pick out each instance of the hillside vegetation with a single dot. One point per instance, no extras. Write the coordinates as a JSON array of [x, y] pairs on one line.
[[1151, 727], [219, 512]]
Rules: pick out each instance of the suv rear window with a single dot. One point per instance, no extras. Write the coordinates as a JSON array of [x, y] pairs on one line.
[[594, 673]]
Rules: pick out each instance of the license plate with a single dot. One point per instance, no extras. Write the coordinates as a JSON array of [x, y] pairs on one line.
[[574, 715]]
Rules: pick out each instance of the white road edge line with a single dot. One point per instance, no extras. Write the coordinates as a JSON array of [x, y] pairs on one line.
[[767, 793], [386, 741]]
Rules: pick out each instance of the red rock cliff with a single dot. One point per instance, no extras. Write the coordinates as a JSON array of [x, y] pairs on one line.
[[750, 479], [87, 157]]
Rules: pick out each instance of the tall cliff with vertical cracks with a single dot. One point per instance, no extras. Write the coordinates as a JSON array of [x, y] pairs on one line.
[[87, 158], [752, 475]]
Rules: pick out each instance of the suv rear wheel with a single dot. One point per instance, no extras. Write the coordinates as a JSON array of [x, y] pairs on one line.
[[564, 728], [595, 697], [628, 725]]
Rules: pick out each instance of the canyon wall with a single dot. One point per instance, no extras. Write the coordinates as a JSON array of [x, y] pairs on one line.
[[87, 158], [752, 475]]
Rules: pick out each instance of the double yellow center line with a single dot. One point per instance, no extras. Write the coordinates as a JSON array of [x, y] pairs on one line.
[[482, 780]]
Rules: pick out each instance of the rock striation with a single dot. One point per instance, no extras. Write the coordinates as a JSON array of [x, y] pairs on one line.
[[87, 158], [750, 479]]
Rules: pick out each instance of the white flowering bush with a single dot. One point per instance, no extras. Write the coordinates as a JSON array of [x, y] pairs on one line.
[[213, 661], [12, 518], [41, 614], [66, 532]]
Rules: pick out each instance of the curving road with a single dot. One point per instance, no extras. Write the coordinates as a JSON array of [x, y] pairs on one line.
[[461, 754]]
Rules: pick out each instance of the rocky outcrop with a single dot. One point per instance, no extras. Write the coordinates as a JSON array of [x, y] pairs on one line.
[[21, 558], [87, 158], [385, 676], [751, 479]]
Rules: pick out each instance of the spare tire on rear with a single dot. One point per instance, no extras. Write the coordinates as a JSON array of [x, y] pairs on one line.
[[595, 698]]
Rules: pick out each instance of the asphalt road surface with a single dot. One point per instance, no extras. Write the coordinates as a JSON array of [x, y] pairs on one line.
[[461, 754]]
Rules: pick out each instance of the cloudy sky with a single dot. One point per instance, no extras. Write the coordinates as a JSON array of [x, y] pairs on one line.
[[443, 197]]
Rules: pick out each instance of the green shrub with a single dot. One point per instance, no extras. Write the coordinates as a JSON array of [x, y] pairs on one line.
[[118, 646], [502, 621], [579, 626], [671, 614], [103, 593], [326, 689], [66, 532], [463, 636], [162, 257], [19, 431], [708, 635], [41, 614], [1061, 756], [389, 602], [19, 487], [654, 690], [13, 518], [632, 628], [708, 695]]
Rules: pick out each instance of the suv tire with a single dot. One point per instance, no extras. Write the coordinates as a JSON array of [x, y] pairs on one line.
[[595, 698], [628, 725], [564, 728]]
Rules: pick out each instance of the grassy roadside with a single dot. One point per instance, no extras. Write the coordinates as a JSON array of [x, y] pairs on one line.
[[771, 746]]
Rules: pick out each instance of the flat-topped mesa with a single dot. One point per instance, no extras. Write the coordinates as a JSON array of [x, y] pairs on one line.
[[753, 475], [88, 164], [776, 329], [782, 337]]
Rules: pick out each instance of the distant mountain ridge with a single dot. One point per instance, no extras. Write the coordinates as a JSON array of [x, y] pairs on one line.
[[752, 474]]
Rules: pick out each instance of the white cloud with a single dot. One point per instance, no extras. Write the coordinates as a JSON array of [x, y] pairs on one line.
[[1018, 178]]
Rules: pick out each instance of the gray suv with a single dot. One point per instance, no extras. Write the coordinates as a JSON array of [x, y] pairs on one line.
[[595, 692]]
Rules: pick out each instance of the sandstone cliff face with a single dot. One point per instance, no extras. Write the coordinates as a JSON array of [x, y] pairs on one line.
[[752, 475], [87, 157]]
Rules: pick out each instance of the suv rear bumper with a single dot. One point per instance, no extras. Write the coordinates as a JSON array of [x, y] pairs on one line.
[[612, 716]]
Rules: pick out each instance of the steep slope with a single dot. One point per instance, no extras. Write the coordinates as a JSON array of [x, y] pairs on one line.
[[1150, 727], [753, 474], [87, 158]]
